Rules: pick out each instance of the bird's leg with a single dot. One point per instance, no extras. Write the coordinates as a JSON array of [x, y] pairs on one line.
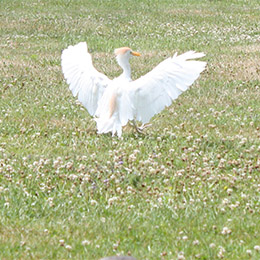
[[143, 126], [133, 124], [139, 129], [91, 125]]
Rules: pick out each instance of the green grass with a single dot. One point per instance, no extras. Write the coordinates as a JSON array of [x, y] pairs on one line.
[[189, 187]]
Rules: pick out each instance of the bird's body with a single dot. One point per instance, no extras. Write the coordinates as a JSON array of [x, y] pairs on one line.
[[115, 102]]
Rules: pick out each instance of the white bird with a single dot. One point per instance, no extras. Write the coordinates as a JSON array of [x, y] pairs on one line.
[[114, 103]]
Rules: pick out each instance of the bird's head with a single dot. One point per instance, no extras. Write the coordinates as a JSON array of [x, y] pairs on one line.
[[125, 53], [122, 56]]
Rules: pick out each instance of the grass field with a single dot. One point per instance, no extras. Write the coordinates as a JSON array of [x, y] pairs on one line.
[[189, 188]]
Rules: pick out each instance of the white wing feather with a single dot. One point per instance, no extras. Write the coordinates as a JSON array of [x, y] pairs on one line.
[[156, 90], [83, 79]]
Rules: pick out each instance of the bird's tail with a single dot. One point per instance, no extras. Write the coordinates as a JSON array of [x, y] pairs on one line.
[[109, 124], [113, 112], [107, 115]]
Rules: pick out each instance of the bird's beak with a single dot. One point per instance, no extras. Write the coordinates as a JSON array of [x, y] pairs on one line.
[[134, 53]]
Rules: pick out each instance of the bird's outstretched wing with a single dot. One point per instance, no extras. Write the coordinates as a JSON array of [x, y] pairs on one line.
[[83, 79], [157, 89]]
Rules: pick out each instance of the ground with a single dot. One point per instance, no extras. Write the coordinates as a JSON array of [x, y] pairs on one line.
[[189, 188]]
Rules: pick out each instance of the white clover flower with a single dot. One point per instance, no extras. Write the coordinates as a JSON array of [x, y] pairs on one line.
[[257, 248], [196, 242], [93, 202], [112, 200], [229, 191], [221, 252], [181, 257], [226, 231], [212, 245], [56, 163], [225, 201], [69, 165], [85, 242], [68, 247], [160, 200], [244, 196], [73, 177], [249, 252]]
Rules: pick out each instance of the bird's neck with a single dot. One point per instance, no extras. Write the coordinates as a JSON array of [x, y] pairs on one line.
[[127, 72], [125, 65]]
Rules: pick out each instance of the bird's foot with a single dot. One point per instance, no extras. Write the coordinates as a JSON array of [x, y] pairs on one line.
[[91, 126], [140, 129]]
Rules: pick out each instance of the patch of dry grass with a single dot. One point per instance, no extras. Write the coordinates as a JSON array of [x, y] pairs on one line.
[[238, 67]]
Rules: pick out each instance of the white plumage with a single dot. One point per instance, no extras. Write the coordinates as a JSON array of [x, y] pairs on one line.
[[115, 102]]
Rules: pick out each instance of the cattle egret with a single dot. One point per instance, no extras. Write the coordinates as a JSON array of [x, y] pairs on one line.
[[113, 103]]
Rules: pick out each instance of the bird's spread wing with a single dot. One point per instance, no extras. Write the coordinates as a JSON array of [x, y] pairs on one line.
[[151, 93], [83, 79]]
